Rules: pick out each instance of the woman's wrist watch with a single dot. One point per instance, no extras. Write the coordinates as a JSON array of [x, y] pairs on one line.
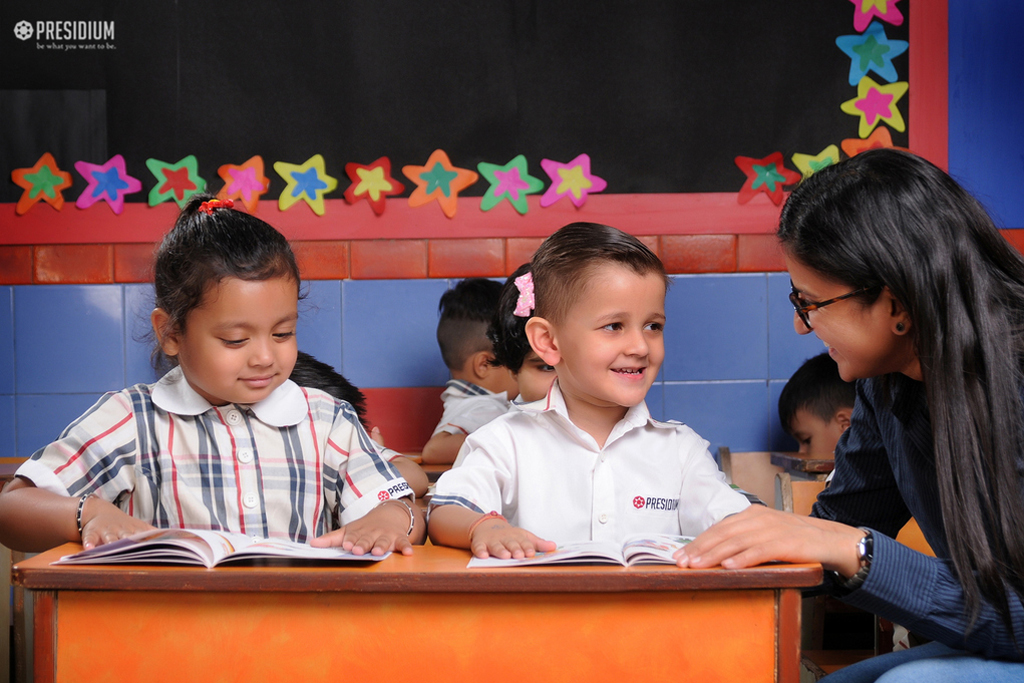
[[865, 553]]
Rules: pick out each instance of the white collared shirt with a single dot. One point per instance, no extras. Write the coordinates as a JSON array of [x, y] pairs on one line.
[[467, 407], [548, 476]]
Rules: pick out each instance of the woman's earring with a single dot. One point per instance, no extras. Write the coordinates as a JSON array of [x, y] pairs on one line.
[[900, 328]]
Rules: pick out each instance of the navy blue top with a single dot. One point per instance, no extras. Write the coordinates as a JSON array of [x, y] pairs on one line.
[[884, 474]]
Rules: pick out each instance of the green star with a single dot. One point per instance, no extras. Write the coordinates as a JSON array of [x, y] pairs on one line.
[[871, 51], [44, 181]]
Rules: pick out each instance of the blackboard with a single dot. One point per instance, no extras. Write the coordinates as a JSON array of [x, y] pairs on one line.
[[662, 95]]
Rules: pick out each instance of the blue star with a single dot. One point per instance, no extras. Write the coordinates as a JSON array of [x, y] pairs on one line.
[[438, 178], [308, 182], [109, 182], [872, 51]]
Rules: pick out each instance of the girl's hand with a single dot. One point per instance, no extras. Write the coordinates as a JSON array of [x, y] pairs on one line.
[[381, 530], [104, 522], [758, 535], [498, 538]]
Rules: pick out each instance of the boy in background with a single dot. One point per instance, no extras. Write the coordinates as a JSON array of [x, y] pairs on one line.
[[478, 391], [815, 406]]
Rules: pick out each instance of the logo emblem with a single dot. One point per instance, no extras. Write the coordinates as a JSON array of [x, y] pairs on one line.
[[383, 495], [23, 30], [638, 502]]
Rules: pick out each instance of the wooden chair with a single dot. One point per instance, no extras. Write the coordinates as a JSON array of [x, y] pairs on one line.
[[752, 471]]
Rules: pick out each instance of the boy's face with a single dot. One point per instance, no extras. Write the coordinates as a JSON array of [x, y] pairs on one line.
[[817, 438], [535, 378], [611, 342]]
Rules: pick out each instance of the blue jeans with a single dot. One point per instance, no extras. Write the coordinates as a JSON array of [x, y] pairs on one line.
[[933, 663]]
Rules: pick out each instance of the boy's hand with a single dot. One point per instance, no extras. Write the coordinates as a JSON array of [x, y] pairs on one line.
[[104, 522], [498, 538], [380, 530]]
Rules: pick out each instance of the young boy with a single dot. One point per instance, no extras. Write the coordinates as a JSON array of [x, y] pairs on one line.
[[815, 406], [478, 391]]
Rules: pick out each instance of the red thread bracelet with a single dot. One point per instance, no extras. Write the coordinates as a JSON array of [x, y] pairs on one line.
[[492, 515]]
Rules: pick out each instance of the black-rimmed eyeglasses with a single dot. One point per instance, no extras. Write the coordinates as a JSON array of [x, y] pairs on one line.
[[802, 307]]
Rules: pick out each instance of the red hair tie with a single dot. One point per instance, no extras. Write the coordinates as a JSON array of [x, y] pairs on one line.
[[208, 207]]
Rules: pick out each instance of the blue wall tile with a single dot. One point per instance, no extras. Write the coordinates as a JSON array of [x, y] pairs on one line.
[[716, 328], [319, 329], [656, 401], [68, 338], [42, 418], [732, 414], [138, 335], [6, 340], [8, 427], [787, 350], [389, 333]]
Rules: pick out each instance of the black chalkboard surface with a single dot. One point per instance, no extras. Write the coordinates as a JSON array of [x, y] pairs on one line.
[[661, 94]]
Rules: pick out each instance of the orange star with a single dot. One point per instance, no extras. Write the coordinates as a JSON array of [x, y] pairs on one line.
[[245, 182], [881, 137], [43, 181], [439, 180]]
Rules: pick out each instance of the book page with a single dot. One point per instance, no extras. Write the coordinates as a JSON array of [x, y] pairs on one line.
[[602, 552]]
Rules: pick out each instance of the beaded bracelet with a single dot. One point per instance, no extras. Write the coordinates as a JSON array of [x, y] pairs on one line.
[[493, 514], [412, 516], [78, 514]]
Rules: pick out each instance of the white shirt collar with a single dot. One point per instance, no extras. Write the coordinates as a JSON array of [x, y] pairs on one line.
[[636, 416], [286, 405]]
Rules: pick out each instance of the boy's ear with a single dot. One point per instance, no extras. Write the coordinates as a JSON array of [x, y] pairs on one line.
[[165, 336], [842, 416], [541, 334], [480, 364]]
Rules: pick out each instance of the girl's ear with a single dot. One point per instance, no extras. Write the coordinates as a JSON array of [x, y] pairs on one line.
[[541, 334], [165, 336]]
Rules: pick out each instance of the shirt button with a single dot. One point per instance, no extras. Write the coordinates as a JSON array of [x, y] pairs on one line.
[[234, 417], [250, 500], [603, 518], [245, 456]]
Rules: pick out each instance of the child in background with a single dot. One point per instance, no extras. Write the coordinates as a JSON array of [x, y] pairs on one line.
[[587, 461], [310, 372], [815, 406], [478, 391], [224, 440], [512, 350]]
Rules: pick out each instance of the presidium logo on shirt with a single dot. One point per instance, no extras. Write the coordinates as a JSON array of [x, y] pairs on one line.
[[667, 504], [396, 489]]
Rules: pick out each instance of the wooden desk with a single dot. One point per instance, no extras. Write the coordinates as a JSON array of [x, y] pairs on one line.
[[424, 617], [802, 466]]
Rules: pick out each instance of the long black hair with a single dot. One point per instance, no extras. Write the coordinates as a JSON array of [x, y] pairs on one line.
[[887, 218]]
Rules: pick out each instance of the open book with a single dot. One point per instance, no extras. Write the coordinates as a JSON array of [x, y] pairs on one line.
[[204, 548], [646, 549]]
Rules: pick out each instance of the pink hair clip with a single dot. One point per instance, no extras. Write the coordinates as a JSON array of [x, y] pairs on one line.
[[526, 301], [208, 207]]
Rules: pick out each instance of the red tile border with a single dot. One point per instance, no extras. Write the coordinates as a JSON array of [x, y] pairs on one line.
[[133, 262], [759, 253], [322, 260], [16, 265], [74, 264], [1016, 238], [466, 257], [519, 250], [699, 253], [406, 415], [651, 241], [388, 259]]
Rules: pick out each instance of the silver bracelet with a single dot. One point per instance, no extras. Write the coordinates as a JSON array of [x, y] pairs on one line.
[[78, 514], [412, 515]]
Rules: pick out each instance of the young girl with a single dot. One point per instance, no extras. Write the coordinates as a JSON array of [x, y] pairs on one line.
[[508, 334], [917, 296], [224, 440], [585, 462]]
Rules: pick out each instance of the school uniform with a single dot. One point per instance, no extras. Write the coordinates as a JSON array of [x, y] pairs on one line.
[[467, 407], [295, 465], [548, 476]]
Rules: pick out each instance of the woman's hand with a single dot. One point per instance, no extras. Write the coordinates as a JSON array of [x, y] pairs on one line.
[[759, 534]]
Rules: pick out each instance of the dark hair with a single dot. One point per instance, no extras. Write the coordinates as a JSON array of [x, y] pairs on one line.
[[310, 372], [817, 388], [564, 262], [887, 218], [507, 330], [204, 248], [466, 309]]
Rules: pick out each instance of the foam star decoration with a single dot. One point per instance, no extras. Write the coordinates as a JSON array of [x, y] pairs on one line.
[[109, 182], [880, 137], [439, 180], [875, 103], [245, 182], [866, 10], [573, 179], [809, 165], [511, 182], [308, 181], [44, 181], [175, 181], [766, 175], [872, 51], [372, 183]]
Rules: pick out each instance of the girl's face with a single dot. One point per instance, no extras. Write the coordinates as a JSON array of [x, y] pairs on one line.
[[861, 339], [535, 378], [239, 344], [611, 342]]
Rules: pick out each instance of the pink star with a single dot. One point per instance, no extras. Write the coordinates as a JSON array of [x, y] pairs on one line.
[[885, 10], [509, 181], [573, 179], [109, 182], [874, 104]]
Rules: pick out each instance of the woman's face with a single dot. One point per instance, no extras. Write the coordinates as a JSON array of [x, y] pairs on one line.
[[862, 339]]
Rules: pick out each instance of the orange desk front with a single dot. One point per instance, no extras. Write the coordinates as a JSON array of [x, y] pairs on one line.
[[425, 618]]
